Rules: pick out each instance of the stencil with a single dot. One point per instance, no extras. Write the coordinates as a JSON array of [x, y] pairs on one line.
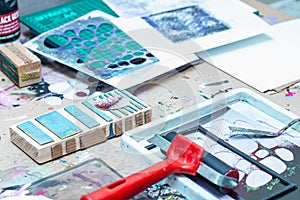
[[94, 45], [79, 126], [186, 23]]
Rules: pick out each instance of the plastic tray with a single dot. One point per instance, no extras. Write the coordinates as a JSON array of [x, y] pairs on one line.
[[239, 107]]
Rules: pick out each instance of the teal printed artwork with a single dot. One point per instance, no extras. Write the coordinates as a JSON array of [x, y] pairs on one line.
[[94, 45], [58, 124], [35, 133], [186, 23], [81, 116]]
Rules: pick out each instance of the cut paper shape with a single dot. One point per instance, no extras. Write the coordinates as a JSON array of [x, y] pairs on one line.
[[244, 144], [275, 164], [262, 153], [254, 182], [284, 154]]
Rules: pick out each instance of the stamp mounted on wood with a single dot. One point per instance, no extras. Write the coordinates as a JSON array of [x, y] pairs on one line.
[[79, 126], [20, 65]]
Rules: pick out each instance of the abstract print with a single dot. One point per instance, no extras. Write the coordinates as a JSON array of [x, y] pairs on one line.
[[186, 23]]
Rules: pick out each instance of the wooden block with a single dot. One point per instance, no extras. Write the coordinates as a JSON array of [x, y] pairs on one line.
[[128, 123], [139, 119], [71, 145], [118, 128], [147, 116], [57, 151], [91, 138], [74, 127], [20, 65]]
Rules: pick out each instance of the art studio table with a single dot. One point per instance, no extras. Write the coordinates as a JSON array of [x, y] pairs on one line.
[[166, 95]]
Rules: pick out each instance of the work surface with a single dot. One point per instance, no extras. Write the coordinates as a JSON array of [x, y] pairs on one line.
[[166, 95]]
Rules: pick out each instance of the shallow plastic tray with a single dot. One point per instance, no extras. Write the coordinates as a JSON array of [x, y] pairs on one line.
[[240, 107]]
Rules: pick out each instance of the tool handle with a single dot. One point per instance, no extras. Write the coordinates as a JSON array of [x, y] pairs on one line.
[[128, 187], [220, 166], [183, 156], [210, 160]]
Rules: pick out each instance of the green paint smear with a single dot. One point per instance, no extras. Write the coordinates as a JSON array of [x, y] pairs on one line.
[[248, 189], [103, 55], [97, 65], [86, 34], [76, 40], [132, 45], [29, 76], [118, 48], [69, 33], [62, 40], [91, 26], [273, 183], [69, 46], [89, 43], [104, 28], [127, 57], [138, 53], [291, 171], [83, 52]]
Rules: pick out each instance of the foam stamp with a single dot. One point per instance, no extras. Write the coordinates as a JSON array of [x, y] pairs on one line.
[[20, 65], [79, 126]]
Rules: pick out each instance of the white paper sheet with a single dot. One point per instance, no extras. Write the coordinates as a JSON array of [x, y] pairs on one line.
[[240, 21], [264, 62], [137, 8]]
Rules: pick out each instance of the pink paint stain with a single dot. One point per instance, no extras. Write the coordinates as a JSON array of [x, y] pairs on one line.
[[18, 173], [290, 94], [40, 192]]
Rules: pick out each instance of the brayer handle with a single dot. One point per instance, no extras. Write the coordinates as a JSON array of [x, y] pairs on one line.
[[183, 156], [211, 160], [220, 166], [130, 186]]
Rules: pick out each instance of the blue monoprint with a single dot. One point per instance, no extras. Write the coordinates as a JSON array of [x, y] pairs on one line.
[[186, 23]]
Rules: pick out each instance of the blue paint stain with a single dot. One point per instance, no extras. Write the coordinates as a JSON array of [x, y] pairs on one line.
[[58, 124], [35, 133]]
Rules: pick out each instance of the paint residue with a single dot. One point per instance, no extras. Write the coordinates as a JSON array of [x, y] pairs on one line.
[[86, 179]]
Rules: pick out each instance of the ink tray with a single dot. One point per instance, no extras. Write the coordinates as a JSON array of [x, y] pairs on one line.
[[268, 165]]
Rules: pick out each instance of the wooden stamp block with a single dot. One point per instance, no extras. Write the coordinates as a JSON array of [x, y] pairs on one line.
[[78, 126], [20, 65]]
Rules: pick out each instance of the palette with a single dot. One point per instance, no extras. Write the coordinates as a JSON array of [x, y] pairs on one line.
[[79, 126], [268, 167]]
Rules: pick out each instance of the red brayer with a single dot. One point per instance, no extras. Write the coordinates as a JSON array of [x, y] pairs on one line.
[[183, 156]]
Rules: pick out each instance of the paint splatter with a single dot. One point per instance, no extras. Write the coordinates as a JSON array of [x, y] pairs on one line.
[[290, 94]]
